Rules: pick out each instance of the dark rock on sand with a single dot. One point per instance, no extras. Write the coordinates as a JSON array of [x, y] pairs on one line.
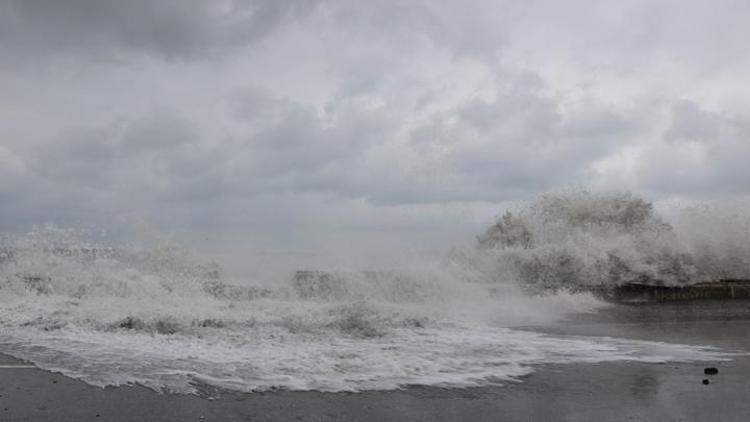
[[711, 371]]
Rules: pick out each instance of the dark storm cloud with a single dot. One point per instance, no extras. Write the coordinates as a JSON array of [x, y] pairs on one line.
[[291, 147], [467, 28], [12, 173], [161, 129], [361, 111], [80, 157], [519, 139], [123, 155], [703, 152], [691, 123], [523, 140], [169, 28]]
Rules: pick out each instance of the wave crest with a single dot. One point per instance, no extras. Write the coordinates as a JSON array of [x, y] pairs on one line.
[[578, 238]]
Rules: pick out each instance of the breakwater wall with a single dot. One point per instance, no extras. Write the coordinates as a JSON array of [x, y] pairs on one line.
[[647, 293], [322, 283]]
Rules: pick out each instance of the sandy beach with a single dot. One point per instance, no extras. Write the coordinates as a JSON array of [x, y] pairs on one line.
[[572, 392]]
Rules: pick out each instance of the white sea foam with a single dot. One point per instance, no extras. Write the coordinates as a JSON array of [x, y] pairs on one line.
[[163, 318], [263, 358]]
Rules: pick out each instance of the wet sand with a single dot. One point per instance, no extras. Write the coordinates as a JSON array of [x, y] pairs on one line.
[[574, 392]]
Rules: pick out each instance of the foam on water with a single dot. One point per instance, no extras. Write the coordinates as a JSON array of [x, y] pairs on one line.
[[162, 317], [267, 358]]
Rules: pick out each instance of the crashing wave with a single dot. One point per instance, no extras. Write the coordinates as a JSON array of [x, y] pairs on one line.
[[578, 238], [162, 317]]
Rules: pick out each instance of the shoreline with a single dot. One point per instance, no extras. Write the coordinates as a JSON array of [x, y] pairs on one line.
[[598, 391], [578, 391]]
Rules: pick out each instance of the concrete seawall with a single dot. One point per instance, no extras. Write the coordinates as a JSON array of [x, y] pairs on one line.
[[322, 283], [646, 293]]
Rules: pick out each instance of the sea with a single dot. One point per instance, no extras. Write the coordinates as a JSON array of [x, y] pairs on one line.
[[165, 317]]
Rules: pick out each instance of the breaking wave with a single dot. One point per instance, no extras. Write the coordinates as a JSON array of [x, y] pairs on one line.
[[574, 239], [162, 317]]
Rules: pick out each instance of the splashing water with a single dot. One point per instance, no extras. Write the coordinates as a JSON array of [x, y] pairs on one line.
[[163, 318], [577, 238]]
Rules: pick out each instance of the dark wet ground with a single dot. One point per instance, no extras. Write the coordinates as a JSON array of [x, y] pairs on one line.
[[721, 324]]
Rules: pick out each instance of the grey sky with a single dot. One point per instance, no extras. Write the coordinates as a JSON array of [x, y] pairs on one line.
[[295, 123]]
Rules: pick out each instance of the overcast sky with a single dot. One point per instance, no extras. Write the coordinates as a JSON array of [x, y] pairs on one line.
[[289, 124]]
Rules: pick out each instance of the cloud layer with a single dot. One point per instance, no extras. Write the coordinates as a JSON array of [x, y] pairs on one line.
[[284, 120]]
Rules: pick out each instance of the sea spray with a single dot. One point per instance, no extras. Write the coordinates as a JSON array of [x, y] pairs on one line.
[[162, 317], [575, 238]]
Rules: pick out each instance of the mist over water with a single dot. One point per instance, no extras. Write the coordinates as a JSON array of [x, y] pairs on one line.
[[166, 318]]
